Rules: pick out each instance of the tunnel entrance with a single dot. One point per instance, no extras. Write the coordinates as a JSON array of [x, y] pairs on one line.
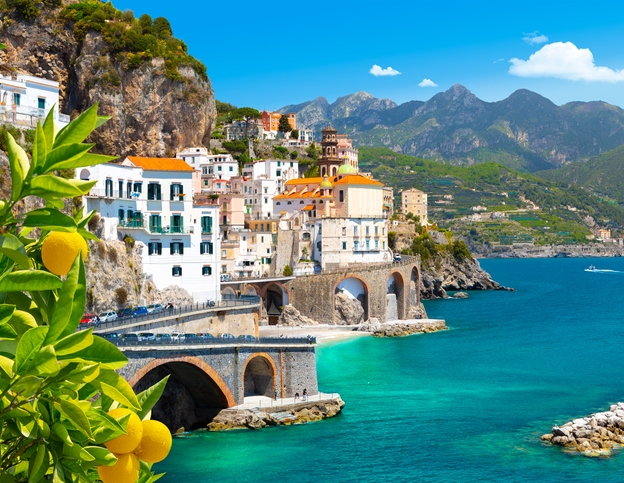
[[259, 377], [191, 398]]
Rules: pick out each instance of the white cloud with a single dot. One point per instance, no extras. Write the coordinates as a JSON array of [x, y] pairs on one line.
[[534, 38], [564, 60], [377, 71], [427, 83]]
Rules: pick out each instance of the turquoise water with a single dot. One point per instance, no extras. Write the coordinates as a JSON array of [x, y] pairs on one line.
[[464, 405]]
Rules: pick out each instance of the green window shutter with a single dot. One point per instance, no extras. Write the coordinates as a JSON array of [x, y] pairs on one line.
[[210, 248]]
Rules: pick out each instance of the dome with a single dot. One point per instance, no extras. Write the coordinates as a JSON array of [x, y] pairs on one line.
[[326, 184], [346, 169]]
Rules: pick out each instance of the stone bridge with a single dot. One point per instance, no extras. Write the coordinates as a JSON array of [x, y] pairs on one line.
[[386, 291], [206, 378]]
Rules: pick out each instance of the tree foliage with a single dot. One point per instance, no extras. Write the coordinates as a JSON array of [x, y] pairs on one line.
[[56, 383], [284, 126]]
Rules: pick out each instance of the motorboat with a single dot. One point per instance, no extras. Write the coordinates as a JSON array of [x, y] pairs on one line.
[[590, 269]]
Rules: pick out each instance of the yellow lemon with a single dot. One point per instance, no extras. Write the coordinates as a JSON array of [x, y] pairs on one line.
[[60, 249], [126, 470], [126, 443], [156, 442]]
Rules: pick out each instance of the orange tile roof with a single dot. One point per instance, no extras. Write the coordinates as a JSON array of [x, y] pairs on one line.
[[160, 164], [309, 208], [357, 179], [304, 181]]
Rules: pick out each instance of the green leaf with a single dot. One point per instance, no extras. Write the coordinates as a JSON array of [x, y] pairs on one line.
[[53, 186], [6, 312], [8, 347], [74, 342], [45, 363], [61, 432], [84, 374], [38, 464], [106, 427], [48, 129], [148, 398], [29, 281], [100, 351], [27, 386], [79, 129], [14, 249], [88, 159], [19, 165], [101, 120], [78, 453], [6, 477], [88, 235], [66, 153], [116, 387], [75, 415], [28, 346], [6, 365], [39, 149], [22, 321], [101, 455], [70, 304], [50, 219]]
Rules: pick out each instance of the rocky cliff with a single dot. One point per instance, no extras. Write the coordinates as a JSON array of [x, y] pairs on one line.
[[156, 108]]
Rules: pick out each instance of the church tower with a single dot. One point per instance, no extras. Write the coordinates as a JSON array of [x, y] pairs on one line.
[[329, 162]]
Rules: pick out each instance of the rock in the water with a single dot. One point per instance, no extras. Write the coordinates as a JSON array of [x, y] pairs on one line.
[[291, 316], [349, 311], [460, 295], [403, 328]]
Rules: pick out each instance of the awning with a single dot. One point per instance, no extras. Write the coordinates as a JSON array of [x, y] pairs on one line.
[[309, 208]]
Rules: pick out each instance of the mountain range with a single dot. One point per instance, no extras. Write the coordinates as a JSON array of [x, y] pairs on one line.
[[525, 131]]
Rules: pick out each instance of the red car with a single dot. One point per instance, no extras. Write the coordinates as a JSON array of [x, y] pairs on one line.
[[88, 318]]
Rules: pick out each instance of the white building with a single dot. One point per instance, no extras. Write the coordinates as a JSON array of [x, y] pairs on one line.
[[151, 199], [221, 166], [280, 170], [24, 99]]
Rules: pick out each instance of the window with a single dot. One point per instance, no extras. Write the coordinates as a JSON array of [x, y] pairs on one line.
[[120, 184], [176, 271], [231, 168], [376, 244], [383, 245], [279, 164], [278, 203], [206, 270], [223, 254], [176, 248], [41, 103], [177, 224], [204, 169], [368, 244], [120, 215], [219, 168], [301, 202], [16, 98], [367, 230], [205, 248], [153, 191], [290, 202], [266, 201], [206, 224], [318, 246], [129, 190], [278, 172], [376, 230], [138, 187], [175, 190], [266, 190], [109, 188], [155, 224], [356, 245], [344, 230], [292, 165], [341, 196], [383, 231], [344, 245], [154, 248]]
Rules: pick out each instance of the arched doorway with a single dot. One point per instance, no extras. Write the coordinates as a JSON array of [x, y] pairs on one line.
[[351, 301], [274, 300], [193, 396], [395, 302], [259, 376], [228, 293]]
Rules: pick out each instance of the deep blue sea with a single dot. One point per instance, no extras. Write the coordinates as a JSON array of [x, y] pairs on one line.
[[465, 405]]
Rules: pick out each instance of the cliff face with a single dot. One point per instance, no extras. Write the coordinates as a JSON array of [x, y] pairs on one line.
[[152, 113]]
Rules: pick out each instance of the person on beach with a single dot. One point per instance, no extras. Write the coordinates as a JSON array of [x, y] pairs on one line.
[[305, 394], [296, 396]]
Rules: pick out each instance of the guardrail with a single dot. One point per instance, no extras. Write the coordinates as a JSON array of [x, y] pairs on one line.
[[195, 341], [171, 312]]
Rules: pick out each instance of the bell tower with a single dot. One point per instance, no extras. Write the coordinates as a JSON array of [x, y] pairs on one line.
[[329, 162]]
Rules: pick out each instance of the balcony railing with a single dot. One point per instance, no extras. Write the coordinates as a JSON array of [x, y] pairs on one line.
[[136, 223], [176, 197]]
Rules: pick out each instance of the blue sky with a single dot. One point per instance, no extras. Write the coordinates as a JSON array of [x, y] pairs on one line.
[[270, 54]]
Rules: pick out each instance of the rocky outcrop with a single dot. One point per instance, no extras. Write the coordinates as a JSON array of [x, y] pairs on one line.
[[349, 311], [300, 413], [152, 114], [291, 316], [404, 328], [448, 273], [594, 435]]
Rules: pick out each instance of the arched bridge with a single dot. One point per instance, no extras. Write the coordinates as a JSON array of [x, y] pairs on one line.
[[208, 377]]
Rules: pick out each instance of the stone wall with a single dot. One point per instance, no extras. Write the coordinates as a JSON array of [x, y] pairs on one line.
[[313, 295]]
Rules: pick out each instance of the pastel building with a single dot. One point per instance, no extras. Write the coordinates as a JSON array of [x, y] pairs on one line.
[[25, 99], [270, 120], [212, 166], [414, 201], [152, 200]]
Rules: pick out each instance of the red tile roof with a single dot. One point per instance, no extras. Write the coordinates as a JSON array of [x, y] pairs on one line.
[[160, 164]]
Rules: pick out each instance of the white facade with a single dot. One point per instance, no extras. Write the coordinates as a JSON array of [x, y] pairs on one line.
[[24, 99], [179, 240], [306, 135], [258, 194], [280, 170], [221, 166]]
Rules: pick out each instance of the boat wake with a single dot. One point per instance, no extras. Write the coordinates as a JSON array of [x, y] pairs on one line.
[[601, 271]]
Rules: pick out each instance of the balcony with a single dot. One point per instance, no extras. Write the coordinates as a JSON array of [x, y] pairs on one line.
[[136, 223], [179, 197]]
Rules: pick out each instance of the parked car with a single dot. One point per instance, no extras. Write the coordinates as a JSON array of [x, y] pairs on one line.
[[246, 337], [130, 338], [124, 313], [163, 338], [146, 336], [190, 338], [140, 310], [205, 335], [88, 318], [113, 337], [225, 335], [397, 257], [109, 316], [155, 308], [225, 277], [177, 337]]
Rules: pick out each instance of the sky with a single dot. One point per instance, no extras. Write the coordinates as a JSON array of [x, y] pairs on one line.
[[271, 54]]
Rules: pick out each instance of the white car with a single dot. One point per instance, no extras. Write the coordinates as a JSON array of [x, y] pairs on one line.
[[109, 316], [177, 337], [155, 308]]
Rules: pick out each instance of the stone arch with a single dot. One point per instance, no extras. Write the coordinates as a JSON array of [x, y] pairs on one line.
[[251, 290], [395, 296], [228, 293], [414, 287], [259, 375], [351, 287], [274, 295], [194, 395]]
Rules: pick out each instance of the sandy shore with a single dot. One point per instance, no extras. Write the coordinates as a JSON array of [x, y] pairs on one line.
[[324, 333]]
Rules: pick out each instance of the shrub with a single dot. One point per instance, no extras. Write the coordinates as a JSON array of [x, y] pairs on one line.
[[122, 295], [294, 154], [287, 272]]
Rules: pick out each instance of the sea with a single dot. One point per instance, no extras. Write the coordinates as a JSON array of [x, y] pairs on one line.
[[464, 405]]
